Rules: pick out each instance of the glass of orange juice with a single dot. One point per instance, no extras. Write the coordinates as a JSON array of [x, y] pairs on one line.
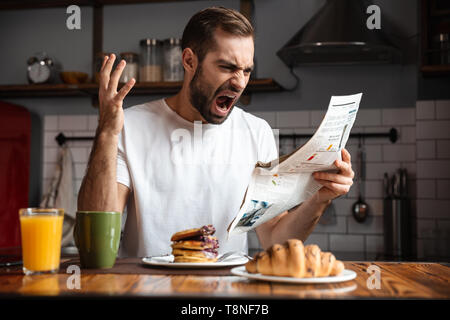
[[41, 231]]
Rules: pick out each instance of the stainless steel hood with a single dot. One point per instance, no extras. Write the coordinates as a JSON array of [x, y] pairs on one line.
[[338, 34]]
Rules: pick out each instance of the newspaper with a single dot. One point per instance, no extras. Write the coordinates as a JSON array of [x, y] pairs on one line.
[[286, 182]]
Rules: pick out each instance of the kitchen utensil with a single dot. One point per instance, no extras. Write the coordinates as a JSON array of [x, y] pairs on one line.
[[233, 253], [360, 209], [397, 221], [403, 183], [386, 186]]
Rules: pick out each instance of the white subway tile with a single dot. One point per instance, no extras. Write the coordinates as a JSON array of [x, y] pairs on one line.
[[443, 149], [317, 117], [426, 228], [433, 169], [426, 189], [293, 119], [373, 189], [376, 171], [443, 227], [399, 116], [93, 122], [346, 242], [425, 109], [50, 123], [426, 149], [407, 135], [320, 239], [343, 206], [73, 122], [372, 225], [443, 189], [411, 169], [433, 208], [399, 152], [438, 129], [373, 153], [368, 117], [339, 227], [375, 206], [443, 109], [427, 248], [51, 155], [374, 243], [45, 186], [49, 139]]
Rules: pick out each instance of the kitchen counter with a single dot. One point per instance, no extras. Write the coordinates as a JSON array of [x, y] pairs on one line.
[[129, 278]]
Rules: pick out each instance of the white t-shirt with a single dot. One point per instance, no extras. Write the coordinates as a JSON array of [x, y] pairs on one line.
[[185, 175]]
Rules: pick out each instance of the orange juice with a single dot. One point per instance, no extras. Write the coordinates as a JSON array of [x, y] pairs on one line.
[[41, 241]]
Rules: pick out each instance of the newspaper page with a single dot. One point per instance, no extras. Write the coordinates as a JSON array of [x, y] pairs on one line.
[[286, 182]]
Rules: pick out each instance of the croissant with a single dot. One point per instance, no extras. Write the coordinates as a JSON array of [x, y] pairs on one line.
[[293, 259]]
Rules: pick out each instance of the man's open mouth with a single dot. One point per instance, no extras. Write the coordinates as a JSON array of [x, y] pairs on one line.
[[224, 102]]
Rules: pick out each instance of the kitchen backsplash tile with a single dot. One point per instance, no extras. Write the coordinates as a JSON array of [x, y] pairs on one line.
[[425, 109], [443, 109], [422, 148], [433, 129], [73, 122], [347, 242], [400, 116], [443, 149], [426, 149]]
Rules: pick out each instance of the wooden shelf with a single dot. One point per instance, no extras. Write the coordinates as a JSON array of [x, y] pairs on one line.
[[33, 4], [435, 70], [91, 89]]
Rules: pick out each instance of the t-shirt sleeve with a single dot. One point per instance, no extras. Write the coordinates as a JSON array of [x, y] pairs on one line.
[[268, 150], [122, 173]]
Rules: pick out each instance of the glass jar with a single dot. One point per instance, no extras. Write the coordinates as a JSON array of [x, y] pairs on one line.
[[150, 62], [131, 68], [98, 64], [173, 67]]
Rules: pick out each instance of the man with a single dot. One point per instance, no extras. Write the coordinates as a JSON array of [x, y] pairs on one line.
[[144, 159]]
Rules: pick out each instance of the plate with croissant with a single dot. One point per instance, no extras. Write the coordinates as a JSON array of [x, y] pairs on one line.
[[294, 262]]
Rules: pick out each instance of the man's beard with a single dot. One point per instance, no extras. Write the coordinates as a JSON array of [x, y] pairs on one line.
[[202, 97]]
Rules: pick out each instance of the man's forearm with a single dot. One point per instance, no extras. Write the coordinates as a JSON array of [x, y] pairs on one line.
[[297, 223], [98, 190]]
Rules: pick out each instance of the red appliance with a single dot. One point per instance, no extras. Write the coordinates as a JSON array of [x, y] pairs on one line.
[[15, 135]]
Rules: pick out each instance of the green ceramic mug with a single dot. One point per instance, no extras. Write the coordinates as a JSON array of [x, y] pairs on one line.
[[97, 237]]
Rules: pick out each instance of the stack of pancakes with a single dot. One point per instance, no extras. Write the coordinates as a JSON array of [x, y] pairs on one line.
[[195, 245]]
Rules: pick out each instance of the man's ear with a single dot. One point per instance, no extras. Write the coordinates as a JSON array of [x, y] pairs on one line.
[[190, 60]]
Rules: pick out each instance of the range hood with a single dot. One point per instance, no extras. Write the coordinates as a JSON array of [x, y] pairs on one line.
[[338, 34]]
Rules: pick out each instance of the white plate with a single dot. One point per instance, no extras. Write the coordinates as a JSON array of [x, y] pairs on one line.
[[344, 276], [167, 261]]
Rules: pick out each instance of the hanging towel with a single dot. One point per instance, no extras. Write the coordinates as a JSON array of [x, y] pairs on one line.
[[60, 194]]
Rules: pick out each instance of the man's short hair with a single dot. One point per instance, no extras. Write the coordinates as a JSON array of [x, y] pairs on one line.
[[199, 32]]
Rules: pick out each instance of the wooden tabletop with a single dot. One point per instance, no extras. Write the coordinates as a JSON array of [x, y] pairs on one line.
[[398, 280]]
